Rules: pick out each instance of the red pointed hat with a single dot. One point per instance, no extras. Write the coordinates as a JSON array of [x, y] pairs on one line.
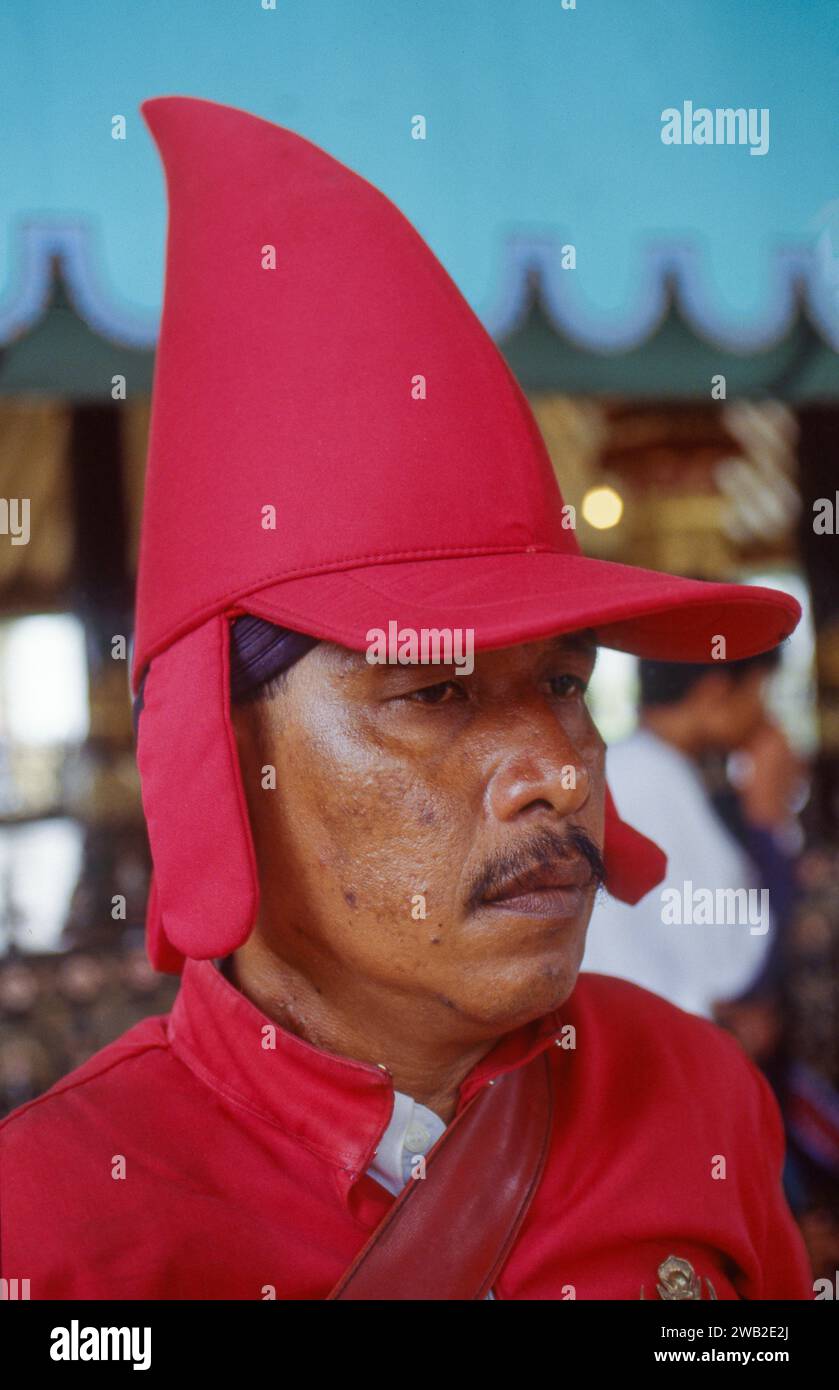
[[316, 359]]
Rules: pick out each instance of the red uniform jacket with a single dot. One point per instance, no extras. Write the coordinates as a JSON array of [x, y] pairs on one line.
[[189, 1159]]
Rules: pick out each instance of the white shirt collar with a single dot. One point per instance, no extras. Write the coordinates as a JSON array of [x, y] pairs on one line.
[[412, 1131]]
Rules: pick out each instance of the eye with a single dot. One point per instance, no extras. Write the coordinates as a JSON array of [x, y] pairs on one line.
[[440, 694], [568, 685]]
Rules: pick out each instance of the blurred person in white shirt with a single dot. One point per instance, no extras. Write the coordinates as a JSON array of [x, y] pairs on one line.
[[688, 713]]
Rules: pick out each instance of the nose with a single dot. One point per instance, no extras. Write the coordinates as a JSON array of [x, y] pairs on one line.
[[548, 774]]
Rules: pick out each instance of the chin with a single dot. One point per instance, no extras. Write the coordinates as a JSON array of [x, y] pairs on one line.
[[523, 992]]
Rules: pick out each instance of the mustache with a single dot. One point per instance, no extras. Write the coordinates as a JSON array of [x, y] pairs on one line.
[[547, 849]]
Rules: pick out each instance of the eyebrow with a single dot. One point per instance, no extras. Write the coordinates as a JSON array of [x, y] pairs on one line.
[[584, 641]]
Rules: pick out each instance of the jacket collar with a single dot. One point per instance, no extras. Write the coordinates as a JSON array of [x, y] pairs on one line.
[[334, 1106]]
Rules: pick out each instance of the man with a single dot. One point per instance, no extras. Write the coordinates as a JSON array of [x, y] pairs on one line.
[[375, 872], [687, 711]]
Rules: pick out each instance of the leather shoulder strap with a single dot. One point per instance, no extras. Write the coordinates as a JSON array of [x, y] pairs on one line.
[[448, 1235]]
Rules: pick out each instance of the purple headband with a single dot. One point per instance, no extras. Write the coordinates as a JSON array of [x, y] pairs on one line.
[[259, 651]]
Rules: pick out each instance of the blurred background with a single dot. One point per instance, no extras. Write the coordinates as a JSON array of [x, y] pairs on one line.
[[671, 312]]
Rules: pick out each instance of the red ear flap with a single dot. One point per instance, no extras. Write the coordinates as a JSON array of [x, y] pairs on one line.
[[205, 890], [634, 864], [159, 948]]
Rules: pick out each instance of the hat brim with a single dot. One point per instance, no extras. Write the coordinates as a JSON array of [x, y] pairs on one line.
[[186, 742], [512, 598]]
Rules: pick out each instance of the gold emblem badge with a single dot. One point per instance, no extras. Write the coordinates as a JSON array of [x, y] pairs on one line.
[[679, 1279]]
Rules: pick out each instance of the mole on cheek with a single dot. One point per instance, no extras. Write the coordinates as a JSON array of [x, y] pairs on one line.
[[349, 898]]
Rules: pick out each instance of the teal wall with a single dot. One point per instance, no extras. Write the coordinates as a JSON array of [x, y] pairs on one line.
[[543, 127]]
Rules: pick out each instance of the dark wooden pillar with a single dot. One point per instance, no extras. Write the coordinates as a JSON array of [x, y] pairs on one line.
[[818, 453], [101, 584]]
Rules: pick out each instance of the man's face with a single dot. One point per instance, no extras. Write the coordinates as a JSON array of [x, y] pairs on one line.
[[431, 839], [730, 711]]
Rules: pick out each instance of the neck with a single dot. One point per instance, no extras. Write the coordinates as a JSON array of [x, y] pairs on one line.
[[359, 1023]]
